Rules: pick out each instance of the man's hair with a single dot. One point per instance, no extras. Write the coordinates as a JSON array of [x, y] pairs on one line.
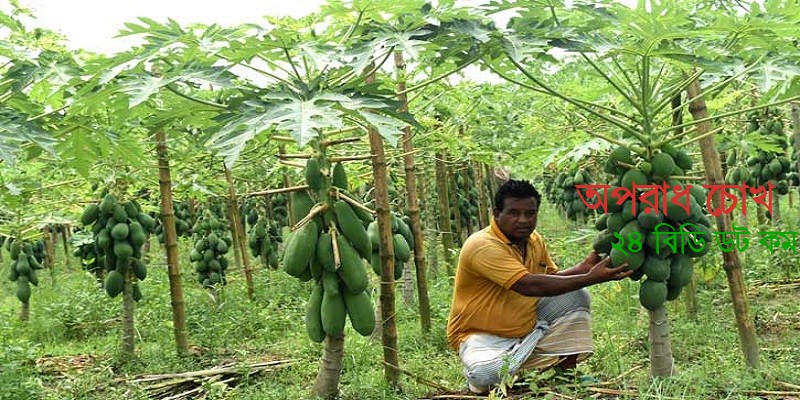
[[519, 189]]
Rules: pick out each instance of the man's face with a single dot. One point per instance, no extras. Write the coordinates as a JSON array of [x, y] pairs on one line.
[[517, 220]]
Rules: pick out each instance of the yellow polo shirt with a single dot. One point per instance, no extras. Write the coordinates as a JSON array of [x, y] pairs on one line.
[[482, 299]]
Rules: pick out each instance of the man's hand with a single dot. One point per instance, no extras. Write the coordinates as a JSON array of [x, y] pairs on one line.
[[603, 272], [539, 285], [584, 266]]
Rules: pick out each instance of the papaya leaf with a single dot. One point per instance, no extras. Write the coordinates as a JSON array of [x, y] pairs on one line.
[[155, 33], [582, 150], [78, 151], [11, 23], [140, 87], [202, 75], [404, 41], [304, 118], [16, 131], [755, 141], [775, 76]]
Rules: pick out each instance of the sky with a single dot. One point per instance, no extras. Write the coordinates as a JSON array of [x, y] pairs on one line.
[[92, 24]]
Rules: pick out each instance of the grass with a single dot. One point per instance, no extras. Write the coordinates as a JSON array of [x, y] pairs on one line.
[[73, 317]]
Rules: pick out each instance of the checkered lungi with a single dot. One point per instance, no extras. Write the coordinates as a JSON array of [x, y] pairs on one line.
[[564, 327]]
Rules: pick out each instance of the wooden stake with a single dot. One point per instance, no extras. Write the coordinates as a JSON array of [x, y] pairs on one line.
[[686, 177], [326, 143], [297, 155], [350, 158], [353, 202], [626, 165], [321, 207], [291, 164], [337, 260], [276, 191], [343, 130]]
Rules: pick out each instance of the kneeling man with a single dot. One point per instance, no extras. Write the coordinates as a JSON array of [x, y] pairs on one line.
[[511, 305]]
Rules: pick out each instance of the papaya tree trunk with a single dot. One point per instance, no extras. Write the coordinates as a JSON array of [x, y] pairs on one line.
[[761, 216], [429, 221], [483, 213], [49, 254], [378, 331], [146, 250], [491, 184], [412, 201], [237, 257], [455, 208], [25, 311], [690, 295], [67, 255], [408, 283], [381, 179], [128, 330], [465, 194], [287, 183], [444, 212], [661, 361], [744, 221], [326, 386], [472, 196], [731, 263], [776, 210], [171, 246], [238, 233]]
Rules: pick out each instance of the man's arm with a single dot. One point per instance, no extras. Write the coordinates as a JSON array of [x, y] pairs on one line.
[[581, 267], [542, 285]]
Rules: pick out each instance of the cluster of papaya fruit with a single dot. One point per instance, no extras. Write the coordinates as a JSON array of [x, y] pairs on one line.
[[280, 212], [402, 242], [211, 242], [329, 244], [561, 191], [183, 221], [263, 235], [263, 240], [765, 166], [24, 265], [250, 211], [38, 251], [120, 230], [467, 195], [633, 238], [83, 247]]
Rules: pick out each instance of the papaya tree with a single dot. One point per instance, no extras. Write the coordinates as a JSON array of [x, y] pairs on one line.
[[419, 34], [647, 64], [120, 228], [21, 230], [303, 105]]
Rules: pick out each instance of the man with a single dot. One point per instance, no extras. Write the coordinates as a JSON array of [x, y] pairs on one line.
[[512, 308]]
